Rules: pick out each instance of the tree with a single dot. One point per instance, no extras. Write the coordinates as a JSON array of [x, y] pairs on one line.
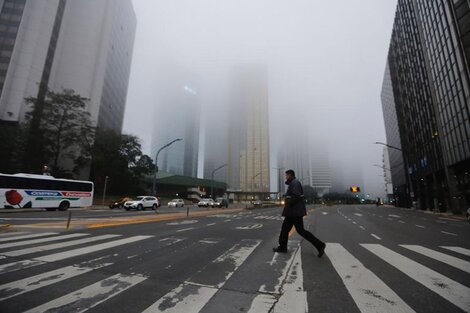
[[120, 158], [62, 132], [12, 143]]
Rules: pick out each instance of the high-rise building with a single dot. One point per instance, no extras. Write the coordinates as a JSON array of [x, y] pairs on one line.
[[320, 174], [248, 157], [429, 71], [177, 117], [81, 45], [395, 156]]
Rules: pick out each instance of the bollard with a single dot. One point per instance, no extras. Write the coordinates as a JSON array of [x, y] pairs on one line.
[[69, 219], [187, 211]]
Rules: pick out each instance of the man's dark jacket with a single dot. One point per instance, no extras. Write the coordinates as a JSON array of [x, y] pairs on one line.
[[294, 206]]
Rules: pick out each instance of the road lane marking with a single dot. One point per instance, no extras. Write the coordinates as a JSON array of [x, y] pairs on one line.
[[184, 229], [369, 292], [324, 213], [42, 240], [211, 224], [358, 214], [254, 226], [447, 288], [89, 249], [90, 296], [28, 284], [376, 237], [13, 233], [294, 297], [192, 295], [401, 222], [354, 223], [420, 226], [447, 233], [19, 265], [362, 227], [458, 250], [183, 222], [26, 236], [393, 215], [56, 246], [447, 259]]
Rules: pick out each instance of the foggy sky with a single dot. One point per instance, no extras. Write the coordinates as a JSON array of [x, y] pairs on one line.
[[325, 62]]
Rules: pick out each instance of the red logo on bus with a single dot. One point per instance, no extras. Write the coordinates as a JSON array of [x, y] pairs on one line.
[[76, 194], [13, 197]]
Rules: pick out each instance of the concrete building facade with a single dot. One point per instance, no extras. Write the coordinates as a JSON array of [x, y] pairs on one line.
[[81, 45]]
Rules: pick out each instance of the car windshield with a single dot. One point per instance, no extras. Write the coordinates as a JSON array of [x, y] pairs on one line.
[[138, 198], [175, 200], [219, 199]]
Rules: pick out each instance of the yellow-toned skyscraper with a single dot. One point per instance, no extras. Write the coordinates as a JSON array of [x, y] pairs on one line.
[[248, 155]]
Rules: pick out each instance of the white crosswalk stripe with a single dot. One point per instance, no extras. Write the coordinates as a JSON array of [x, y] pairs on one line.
[[448, 259], [458, 250], [56, 246], [13, 234], [284, 293], [89, 297], [45, 279], [191, 296], [447, 288], [42, 240], [90, 249], [369, 292], [3, 239]]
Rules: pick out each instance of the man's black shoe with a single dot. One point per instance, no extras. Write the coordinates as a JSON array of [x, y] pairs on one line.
[[321, 252], [279, 250]]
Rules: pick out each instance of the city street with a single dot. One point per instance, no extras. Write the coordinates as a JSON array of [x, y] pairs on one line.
[[378, 259]]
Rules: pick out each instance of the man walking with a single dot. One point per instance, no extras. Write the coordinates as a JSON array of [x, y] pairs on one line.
[[294, 211]]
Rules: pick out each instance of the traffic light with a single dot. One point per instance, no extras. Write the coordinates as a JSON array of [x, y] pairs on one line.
[[355, 189]]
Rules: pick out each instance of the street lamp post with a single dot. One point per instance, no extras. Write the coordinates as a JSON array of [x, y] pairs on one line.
[[154, 188], [212, 178], [253, 181], [405, 161], [279, 181]]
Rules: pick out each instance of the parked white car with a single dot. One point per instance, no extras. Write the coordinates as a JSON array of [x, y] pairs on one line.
[[206, 203], [175, 203], [141, 203]]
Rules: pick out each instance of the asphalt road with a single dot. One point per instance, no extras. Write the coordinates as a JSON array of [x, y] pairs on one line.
[[377, 260], [36, 216]]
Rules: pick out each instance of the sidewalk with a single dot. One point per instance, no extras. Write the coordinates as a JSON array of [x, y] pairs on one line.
[[449, 215]]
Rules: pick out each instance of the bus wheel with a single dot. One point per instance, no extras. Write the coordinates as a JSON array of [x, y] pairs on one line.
[[64, 205]]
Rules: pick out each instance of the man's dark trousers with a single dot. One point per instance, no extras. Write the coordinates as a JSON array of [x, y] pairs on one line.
[[298, 222]]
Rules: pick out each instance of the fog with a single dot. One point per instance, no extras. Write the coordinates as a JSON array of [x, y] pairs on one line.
[[324, 61]]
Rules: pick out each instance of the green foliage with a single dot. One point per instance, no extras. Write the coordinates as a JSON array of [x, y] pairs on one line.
[[60, 129], [345, 198], [12, 144], [120, 158]]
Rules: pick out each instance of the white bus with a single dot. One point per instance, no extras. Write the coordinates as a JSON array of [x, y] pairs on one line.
[[40, 191]]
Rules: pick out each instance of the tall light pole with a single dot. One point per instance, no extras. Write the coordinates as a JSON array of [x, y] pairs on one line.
[[212, 178], [253, 181], [154, 188], [405, 161], [279, 180]]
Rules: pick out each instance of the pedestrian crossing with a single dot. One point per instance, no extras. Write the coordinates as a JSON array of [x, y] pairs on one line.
[[80, 271]]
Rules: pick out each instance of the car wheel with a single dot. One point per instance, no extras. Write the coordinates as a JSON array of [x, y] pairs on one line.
[[140, 207], [154, 206]]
